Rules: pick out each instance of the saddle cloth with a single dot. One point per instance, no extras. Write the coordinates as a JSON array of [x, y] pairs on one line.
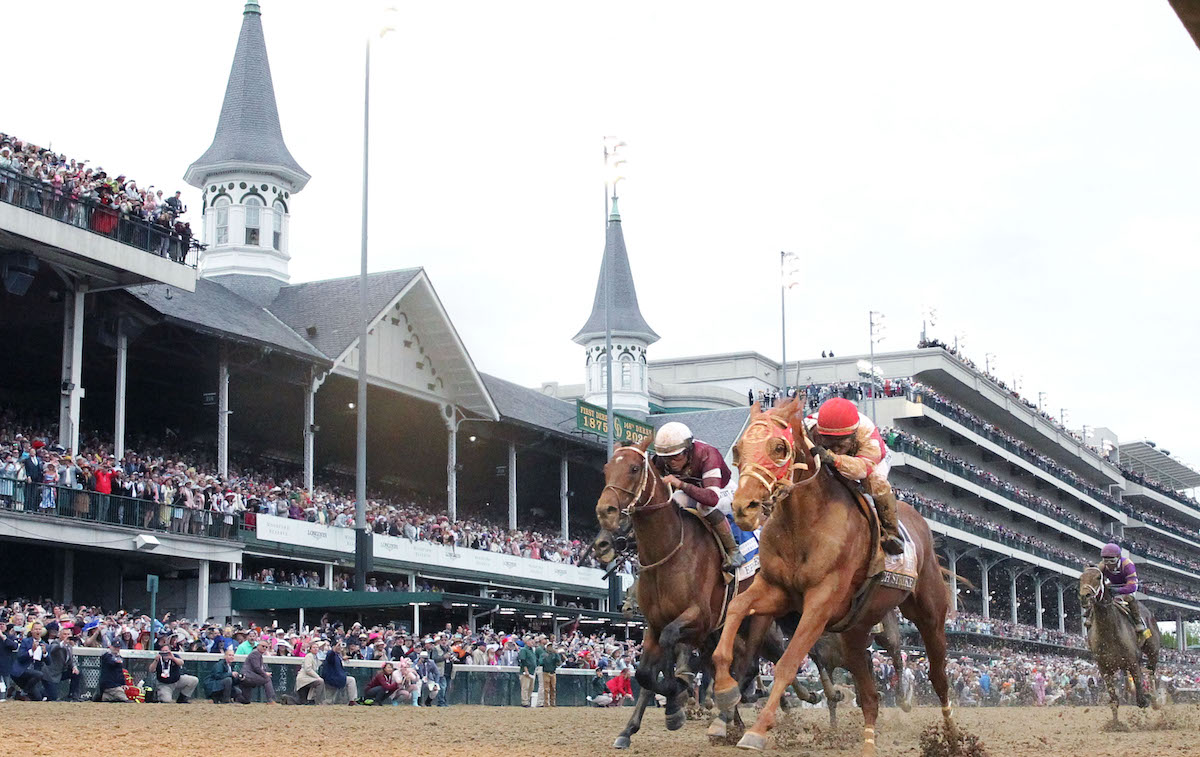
[[893, 571]]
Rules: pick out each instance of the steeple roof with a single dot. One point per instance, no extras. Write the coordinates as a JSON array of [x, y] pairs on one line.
[[626, 317], [248, 132]]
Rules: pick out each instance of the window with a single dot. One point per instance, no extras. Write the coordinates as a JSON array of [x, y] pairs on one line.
[[626, 372], [253, 219], [277, 236], [222, 206]]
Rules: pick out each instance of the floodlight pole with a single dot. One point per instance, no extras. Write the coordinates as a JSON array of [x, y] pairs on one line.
[[360, 480]]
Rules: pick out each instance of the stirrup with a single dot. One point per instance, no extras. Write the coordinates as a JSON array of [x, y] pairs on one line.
[[734, 560]]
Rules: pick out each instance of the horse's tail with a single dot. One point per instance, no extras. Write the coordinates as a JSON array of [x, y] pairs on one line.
[[948, 579]]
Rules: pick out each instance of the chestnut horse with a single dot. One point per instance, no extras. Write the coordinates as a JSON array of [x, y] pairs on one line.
[[681, 588], [815, 552]]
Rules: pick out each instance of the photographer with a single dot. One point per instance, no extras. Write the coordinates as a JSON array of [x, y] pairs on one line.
[[27, 670], [173, 683], [111, 687]]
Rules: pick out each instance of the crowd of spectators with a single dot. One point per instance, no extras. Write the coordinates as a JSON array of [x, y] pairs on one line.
[[1174, 557], [178, 489], [89, 197], [965, 622], [935, 509], [908, 443], [37, 642]]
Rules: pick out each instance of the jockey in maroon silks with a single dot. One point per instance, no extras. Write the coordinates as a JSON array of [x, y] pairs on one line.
[[1120, 576], [698, 473]]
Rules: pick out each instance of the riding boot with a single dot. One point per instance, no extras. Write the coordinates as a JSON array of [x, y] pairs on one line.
[[733, 555], [885, 505], [1135, 614]]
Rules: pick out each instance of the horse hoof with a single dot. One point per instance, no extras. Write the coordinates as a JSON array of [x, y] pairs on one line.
[[622, 742], [717, 729], [676, 719], [905, 707], [752, 740], [728, 700]]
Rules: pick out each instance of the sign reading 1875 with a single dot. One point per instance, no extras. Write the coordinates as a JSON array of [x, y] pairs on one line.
[[595, 420]]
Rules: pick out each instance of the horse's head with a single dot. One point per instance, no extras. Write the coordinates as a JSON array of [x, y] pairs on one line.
[[766, 458], [604, 547], [626, 477], [1091, 589]]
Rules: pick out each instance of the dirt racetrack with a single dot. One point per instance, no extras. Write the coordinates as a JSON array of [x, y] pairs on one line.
[[206, 729]]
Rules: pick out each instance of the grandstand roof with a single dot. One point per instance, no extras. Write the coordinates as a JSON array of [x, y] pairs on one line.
[[720, 428], [1145, 458], [217, 310], [626, 317], [248, 131], [530, 407], [331, 306]]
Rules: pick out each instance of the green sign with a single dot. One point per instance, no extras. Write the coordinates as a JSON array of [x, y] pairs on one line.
[[595, 420]]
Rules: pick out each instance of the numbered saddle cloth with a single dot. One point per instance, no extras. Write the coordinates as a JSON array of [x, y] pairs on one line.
[[748, 546]]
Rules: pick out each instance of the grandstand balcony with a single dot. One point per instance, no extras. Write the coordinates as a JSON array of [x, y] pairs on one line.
[[923, 413], [1145, 495], [40, 225], [906, 456], [1179, 539]]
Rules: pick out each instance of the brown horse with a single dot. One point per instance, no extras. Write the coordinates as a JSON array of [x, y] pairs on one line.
[[681, 589], [815, 552], [1114, 644]]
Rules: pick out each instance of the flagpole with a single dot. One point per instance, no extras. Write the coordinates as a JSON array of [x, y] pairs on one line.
[[783, 324]]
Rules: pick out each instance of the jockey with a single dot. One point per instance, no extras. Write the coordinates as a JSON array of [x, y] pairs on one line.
[[853, 445], [1120, 574], [698, 473]]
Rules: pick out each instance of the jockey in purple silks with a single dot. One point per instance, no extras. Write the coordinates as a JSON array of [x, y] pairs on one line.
[[1120, 575]]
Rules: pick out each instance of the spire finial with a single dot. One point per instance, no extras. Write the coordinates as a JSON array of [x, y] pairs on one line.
[[252, 7], [613, 214]]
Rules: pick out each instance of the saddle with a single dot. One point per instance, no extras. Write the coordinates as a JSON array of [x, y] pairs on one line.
[[892, 571]]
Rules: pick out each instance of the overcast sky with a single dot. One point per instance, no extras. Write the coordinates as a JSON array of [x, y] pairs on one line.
[[1031, 174]]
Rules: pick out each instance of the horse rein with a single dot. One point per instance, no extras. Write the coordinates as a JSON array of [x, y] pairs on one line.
[[636, 506], [764, 469]]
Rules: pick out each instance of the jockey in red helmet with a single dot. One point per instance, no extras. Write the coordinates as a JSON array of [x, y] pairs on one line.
[[698, 473], [853, 445], [1120, 576]]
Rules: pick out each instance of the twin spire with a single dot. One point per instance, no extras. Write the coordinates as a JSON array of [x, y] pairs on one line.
[[626, 317], [248, 133]]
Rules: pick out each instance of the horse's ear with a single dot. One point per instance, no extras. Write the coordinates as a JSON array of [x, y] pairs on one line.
[[644, 444], [755, 409]]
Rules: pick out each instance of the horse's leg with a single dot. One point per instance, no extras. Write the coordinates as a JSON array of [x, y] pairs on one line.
[[1113, 700], [650, 662], [760, 599], [635, 720], [1139, 684], [858, 662], [818, 607], [1152, 651], [682, 678], [832, 695]]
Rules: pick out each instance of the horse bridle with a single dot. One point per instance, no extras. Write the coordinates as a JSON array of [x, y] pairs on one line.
[[636, 505], [764, 469], [635, 497]]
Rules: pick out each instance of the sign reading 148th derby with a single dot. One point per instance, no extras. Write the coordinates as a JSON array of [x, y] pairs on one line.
[[595, 420]]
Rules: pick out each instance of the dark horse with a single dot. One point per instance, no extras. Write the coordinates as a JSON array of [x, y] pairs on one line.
[[815, 553], [681, 589], [829, 654], [1114, 644]]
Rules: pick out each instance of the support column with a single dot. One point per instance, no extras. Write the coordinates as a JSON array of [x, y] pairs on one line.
[[984, 567], [1180, 633], [68, 582], [563, 489], [412, 582], [1062, 611], [452, 472], [952, 564], [223, 412], [512, 486], [329, 576], [416, 620], [300, 621], [71, 389], [122, 364], [310, 428], [1037, 586], [1012, 596], [202, 593]]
